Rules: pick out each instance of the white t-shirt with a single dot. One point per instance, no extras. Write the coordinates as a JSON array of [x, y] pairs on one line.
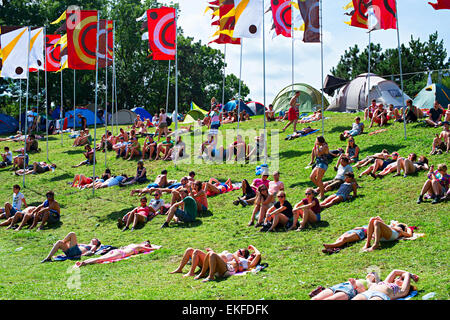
[[9, 156], [342, 171], [156, 204], [17, 200]]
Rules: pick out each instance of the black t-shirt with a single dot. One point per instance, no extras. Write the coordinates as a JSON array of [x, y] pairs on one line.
[[435, 114], [288, 211]]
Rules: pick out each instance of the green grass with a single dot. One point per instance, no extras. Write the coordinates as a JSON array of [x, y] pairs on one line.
[[296, 263]]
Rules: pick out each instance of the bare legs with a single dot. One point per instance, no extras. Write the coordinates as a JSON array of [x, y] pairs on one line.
[[197, 257]]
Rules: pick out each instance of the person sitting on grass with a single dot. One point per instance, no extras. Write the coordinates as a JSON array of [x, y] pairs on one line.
[[20, 161], [379, 116], [357, 129], [264, 200], [354, 235], [184, 210], [397, 285], [437, 184], [141, 175], [140, 214], [343, 166], [110, 182], [72, 249], [343, 193], [308, 209], [177, 151], [160, 182], [214, 187], [393, 113], [412, 112], [435, 115], [228, 264], [368, 112], [381, 161], [238, 149], [352, 151], [11, 222], [84, 139], [89, 155], [120, 147], [380, 231], [7, 158], [36, 168], [442, 141], [248, 193], [346, 290], [11, 209], [257, 150], [199, 195], [410, 165], [118, 254], [280, 214], [270, 113], [133, 150], [49, 211], [149, 148], [164, 147], [32, 144]]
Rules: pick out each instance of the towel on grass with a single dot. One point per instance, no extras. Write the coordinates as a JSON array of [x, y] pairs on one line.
[[154, 248], [256, 269], [409, 296]]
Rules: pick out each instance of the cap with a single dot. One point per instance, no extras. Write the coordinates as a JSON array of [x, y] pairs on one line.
[[265, 171]]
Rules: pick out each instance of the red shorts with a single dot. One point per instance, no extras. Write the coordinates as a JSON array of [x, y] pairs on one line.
[[292, 114], [377, 120]]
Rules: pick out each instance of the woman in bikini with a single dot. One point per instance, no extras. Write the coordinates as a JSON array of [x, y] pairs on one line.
[[121, 253], [354, 235], [346, 290], [72, 249], [410, 165], [397, 285], [214, 187]]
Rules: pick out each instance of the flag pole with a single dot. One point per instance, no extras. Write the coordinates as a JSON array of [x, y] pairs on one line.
[[96, 92], [37, 96], [20, 106], [240, 81], [292, 44], [61, 109], [114, 92], [26, 107], [224, 75], [74, 98], [168, 89], [401, 68], [368, 72], [321, 61], [264, 81], [176, 81], [106, 90], [46, 95]]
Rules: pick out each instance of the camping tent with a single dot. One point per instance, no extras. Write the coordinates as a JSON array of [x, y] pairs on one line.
[[231, 105], [192, 116], [88, 114], [144, 114], [196, 107], [352, 97], [256, 108], [8, 124], [124, 116], [426, 97], [310, 99]]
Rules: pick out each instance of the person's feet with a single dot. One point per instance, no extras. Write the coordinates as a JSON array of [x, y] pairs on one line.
[[243, 202], [46, 260], [396, 174], [165, 225], [176, 271], [236, 202], [208, 279], [435, 200], [250, 223], [373, 175], [125, 228], [188, 275]]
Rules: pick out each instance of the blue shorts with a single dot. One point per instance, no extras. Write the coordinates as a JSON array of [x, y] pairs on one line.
[[353, 133], [183, 216], [344, 196], [359, 232], [12, 212], [174, 186], [54, 217], [370, 294], [215, 126], [322, 165], [152, 185], [73, 252], [318, 217], [346, 288]]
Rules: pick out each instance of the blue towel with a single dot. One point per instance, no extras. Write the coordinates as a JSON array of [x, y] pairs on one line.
[[409, 296]]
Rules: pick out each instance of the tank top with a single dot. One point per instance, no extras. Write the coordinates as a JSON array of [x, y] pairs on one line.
[[162, 118]]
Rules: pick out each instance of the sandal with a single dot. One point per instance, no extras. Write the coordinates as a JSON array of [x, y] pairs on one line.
[[316, 291]]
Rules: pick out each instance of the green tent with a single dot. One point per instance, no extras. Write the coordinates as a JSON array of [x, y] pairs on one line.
[[192, 116], [426, 97], [310, 99]]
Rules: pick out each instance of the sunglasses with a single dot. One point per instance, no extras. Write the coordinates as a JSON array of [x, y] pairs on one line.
[[281, 197], [308, 193]]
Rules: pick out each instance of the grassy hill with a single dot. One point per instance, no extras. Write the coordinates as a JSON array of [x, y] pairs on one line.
[[296, 263]]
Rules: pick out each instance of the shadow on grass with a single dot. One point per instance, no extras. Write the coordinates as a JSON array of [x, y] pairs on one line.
[[205, 214], [73, 151], [293, 153], [320, 224], [52, 226], [302, 184], [378, 147], [115, 215], [340, 129], [61, 177], [196, 223]]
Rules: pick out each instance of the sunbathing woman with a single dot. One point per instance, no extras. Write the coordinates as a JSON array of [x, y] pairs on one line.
[[309, 209], [380, 163], [316, 116], [397, 285], [383, 232], [229, 264], [392, 167], [197, 258], [18, 216], [343, 193], [37, 167], [410, 165], [118, 254], [383, 155], [299, 133], [214, 187], [437, 185], [72, 249], [347, 290], [354, 235], [263, 202]]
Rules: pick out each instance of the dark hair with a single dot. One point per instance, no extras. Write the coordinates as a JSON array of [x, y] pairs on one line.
[[198, 184], [50, 193], [402, 226], [6, 148], [345, 159], [349, 175], [140, 162], [374, 100], [107, 170], [413, 156], [16, 186], [423, 159], [164, 171], [246, 253], [144, 198], [321, 139], [384, 151], [192, 173]]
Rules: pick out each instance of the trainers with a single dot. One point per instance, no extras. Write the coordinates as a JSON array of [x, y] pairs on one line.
[[165, 225], [435, 200], [236, 202], [243, 202], [420, 200]]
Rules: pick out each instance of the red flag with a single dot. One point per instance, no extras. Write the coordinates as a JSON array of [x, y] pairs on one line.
[[282, 17], [52, 53], [102, 43], [309, 10], [385, 11], [162, 33], [81, 39], [359, 14], [226, 24], [441, 4]]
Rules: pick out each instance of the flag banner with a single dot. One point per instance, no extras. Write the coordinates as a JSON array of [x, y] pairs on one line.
[[249, 15], [309, 10], [81, 39], [15, 46], [62, 43], [359, 14], [162, 33], [225, 22], [441, 4], [385, 12], [52, 53], [282, 17], [103, 31], [62, 17], [36, 49], [1, 56]]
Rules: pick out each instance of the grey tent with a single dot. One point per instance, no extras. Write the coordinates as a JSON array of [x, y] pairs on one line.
[[124, 116], [310, 99], [352, 97]]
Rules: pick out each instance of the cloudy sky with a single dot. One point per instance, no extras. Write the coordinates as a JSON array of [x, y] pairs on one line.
[[416, 18]]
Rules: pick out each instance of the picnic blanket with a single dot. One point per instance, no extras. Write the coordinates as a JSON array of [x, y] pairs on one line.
[[153, 249], [100, 251], [289, 137], [409, 296]]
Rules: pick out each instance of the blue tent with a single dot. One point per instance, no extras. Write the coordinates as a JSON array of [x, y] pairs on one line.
[[8, 124], [144, 114], [231, 105], [88, 114], [56, 113]]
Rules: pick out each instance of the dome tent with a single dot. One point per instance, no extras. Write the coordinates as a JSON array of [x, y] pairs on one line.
[[352, 97], [256, 108], [233, 104], [8, 124], [310, 99], [124, 116], [88, 114], [144, 114], [193, 116], [426, 97]]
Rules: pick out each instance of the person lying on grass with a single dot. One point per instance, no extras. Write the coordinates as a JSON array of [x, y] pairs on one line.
[[81, 181], [184, 210], [308, 209], [354, 235], [396, 285], [141, 175], [49, 211], [347, 290], [437, 184], [36, 168], [357, 129], [172, 187], [299, 133], [343, 166], [228, 264], [11, 222], [383, 155], [410, 165], [343, 193], [316, 116], [17, 200], [249, 191], [160, 182], [442, 141], [121, 253], [391, 167], [380, 162], [141, 214], [110, 182], [280, 214], [264, 200], [89, 155], [214, 187], [380, 231], [72, 249]]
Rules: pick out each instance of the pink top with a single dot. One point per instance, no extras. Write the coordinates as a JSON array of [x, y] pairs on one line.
[[145, 211], [258, 182], [275, 187]]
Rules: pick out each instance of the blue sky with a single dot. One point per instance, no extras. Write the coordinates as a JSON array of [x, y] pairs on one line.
[[416, 18]]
